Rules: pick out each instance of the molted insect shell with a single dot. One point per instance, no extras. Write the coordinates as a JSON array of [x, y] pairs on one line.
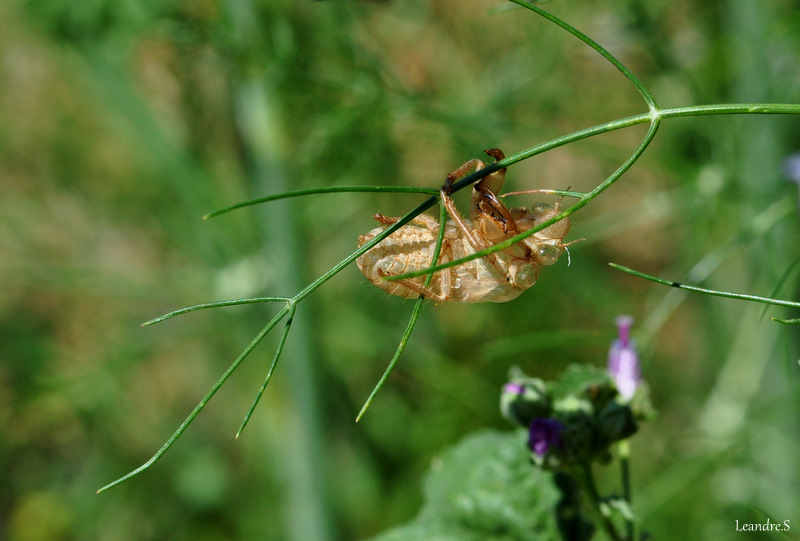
[[543, 212], [549, 254], [498, 277]]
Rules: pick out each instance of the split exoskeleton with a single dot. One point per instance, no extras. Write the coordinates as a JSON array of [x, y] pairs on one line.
[[498, 277]]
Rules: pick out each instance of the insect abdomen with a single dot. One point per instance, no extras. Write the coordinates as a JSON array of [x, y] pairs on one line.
[[406, 250]]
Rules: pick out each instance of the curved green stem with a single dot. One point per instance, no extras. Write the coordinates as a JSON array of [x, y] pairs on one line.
[[651, 102], [653, 117], [580, 204]]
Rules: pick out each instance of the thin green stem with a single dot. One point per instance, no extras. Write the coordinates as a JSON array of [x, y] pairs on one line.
[[653, 117], [580, 204], [597, 502], [757, 226], [325, 190], [651, 103], [562, 193], [793, 321], [268, 377], [202, 404], [732, 109], [726, 294], [412, 322], [676, 112], [624, 448], [217, 304]]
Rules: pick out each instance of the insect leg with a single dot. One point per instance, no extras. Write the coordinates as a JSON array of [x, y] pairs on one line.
[[489, 206], [463, 168], [493, 181], [474, 237], [422, 220], [450, 206], [415, 286]]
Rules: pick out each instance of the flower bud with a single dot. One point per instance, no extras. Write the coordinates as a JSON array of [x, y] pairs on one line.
[[616, 422], [524, 399]]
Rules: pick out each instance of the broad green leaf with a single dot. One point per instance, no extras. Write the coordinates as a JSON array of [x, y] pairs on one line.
[[484, 489]]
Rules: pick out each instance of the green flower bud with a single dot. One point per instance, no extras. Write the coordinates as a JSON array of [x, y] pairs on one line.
[[616, 422], [523, 400]]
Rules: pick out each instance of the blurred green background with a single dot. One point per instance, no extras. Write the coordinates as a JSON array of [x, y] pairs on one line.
[[123, 122]]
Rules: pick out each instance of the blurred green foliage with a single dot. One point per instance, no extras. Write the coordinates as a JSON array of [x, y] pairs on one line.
[[123, 122], [484, 490]]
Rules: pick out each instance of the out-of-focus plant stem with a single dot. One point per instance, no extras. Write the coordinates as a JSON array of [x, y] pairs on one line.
[[260, 132]]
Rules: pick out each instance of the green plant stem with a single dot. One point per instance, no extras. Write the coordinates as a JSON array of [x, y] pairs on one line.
[[624, 451], [268, 377], [654, 117], [324, 190], [202, 404], [726, 294], [217, 304], [651, 103], [597, 502]]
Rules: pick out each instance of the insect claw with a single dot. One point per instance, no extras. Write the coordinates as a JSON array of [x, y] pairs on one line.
[[447, 188], [495, 153]]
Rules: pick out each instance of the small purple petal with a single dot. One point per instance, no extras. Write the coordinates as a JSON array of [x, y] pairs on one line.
[[623, 361], [513, 388], [624, 324], [544, 434]]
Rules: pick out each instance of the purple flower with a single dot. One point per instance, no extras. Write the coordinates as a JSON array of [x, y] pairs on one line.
[[623, 361], [544, 434], [513, 388]]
